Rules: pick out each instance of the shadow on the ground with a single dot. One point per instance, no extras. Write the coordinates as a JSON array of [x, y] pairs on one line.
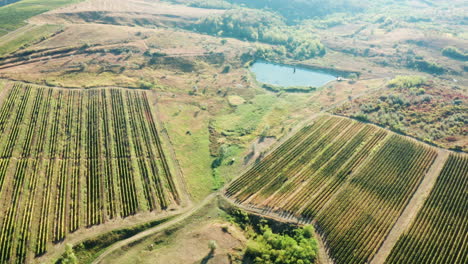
[[208, 257]]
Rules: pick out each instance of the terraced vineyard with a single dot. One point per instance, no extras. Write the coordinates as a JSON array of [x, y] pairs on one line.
[[354, 179], [71, 159], [440, 232]]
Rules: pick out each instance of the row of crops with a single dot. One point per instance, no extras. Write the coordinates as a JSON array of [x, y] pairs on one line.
[[354, 180], [440, 232], [71, 159]]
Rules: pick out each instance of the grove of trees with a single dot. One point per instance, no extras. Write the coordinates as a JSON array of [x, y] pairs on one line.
[[266, 27]]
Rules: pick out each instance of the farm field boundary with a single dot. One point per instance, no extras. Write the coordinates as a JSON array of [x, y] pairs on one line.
[[71, 160], [317, 174]]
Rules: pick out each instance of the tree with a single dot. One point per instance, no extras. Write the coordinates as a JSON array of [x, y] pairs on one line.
[[69, 256], [227, 69], [454, 53], [212, 245]]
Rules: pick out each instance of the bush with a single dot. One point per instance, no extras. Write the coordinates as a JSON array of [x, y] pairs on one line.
[[212, 245], [426, 66], [406, 82], [227, 69], [69, 256], [361, 117], [269, 247], [146, 85], [454, 53]]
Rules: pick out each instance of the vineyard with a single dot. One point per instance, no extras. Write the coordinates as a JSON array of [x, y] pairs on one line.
[[352, 179], [72, 159], [440, 232]]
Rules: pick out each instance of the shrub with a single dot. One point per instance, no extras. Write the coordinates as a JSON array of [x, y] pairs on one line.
[[407, 82], [361, 117], [146, 85], [270, 247], [227, 69], [69, 256], [454, 53], [212, 245]]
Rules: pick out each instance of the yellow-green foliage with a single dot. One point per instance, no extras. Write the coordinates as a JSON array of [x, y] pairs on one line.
[[13, 16], [266, 27], [407, 82], [28, 37], [282, 248]]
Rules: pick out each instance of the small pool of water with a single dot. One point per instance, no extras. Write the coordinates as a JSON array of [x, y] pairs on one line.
[[288, 76], [7, 2]]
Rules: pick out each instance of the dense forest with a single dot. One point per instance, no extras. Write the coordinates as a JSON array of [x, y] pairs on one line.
[[266, 27]]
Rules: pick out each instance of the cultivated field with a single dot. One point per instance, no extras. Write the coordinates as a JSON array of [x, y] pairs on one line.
[[354, 180], [439, 233], [71, 159]]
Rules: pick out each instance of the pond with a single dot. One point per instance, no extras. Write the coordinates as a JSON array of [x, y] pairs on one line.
[[289, 76], [7, 2]]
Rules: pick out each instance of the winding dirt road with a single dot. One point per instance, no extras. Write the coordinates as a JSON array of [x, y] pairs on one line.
[[189, 212]]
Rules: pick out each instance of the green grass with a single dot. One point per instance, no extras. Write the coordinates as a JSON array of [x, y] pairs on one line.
[[146, 250], [13, 16], [26, 38], [192, 150], [90, 249], [246, 118], [2, 84]]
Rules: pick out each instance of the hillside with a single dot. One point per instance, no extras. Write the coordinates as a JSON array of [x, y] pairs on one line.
[[353, 180], [233, 131]]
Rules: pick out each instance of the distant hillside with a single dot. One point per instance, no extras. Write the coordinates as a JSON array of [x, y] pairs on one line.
[[304, 9]]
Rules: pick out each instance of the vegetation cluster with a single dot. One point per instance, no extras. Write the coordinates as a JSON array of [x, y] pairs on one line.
[[298, 9], [270, 242], [415, 106], [269, 248], [455, 53], [266, 27]]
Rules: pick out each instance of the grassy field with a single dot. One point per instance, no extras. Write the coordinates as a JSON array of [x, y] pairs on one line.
[[187, 241], [192, 149], [13, 16], [25, 39], [239, 237], [86, 251], [99, 158]]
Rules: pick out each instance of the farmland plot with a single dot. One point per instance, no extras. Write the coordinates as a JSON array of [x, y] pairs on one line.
[[72, 159], [440, 232], [352, 179]]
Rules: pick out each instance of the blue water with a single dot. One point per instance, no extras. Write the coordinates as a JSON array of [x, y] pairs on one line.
[[7, 2], [284, 75]]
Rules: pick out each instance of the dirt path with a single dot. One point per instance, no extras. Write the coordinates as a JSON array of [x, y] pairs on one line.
[[323, 257], [413, 207], [4, 91], [156, 229]]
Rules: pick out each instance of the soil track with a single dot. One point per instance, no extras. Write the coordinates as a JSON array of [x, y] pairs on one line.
[[412, 209], [154, 230]]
